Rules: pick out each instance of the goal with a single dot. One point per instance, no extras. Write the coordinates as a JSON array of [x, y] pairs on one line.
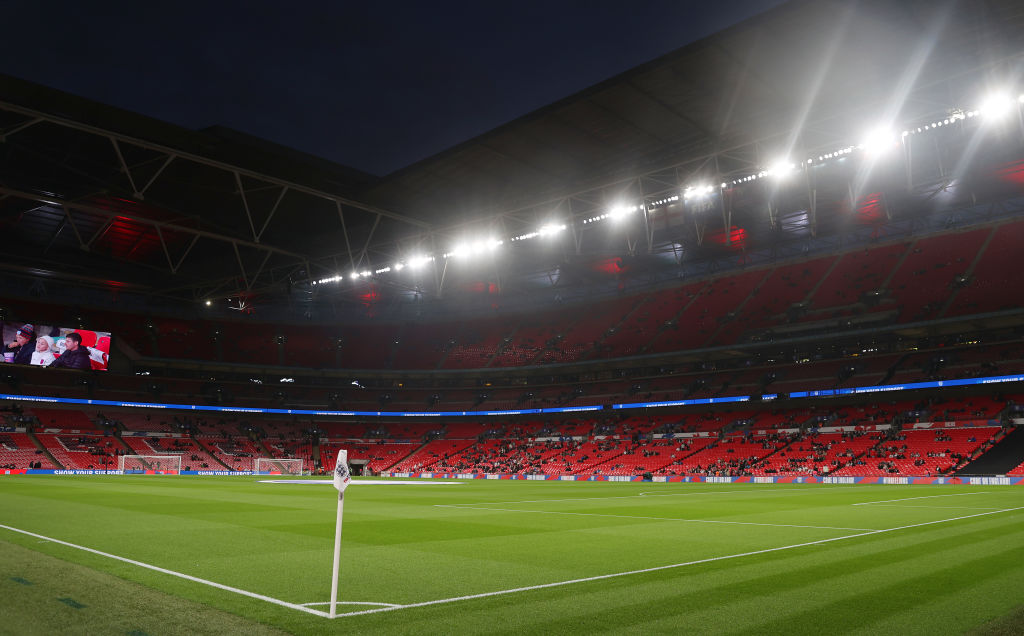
[[276, 466], [156, 464]]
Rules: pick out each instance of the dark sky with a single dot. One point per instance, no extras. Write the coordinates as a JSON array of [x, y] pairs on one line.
[[373, 86]]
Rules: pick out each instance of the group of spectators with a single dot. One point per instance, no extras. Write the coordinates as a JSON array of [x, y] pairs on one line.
[[28, 347]]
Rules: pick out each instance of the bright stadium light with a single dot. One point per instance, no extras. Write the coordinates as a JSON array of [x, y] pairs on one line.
[[878, 141], [699, 191], [996, 106], [417, 262], [619, 212], [474, 248], [487, 245], [550, 229], [780, 169]]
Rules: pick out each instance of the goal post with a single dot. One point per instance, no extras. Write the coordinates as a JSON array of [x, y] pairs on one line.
[[150, 464], [278, 466]]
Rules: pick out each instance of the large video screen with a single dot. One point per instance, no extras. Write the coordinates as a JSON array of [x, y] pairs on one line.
[[58, 347]]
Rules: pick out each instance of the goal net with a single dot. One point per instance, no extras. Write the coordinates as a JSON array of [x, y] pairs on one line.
[[150, 464], [274, 466]]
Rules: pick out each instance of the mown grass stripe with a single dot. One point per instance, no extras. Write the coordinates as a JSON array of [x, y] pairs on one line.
[[602, 577], [181, 575]]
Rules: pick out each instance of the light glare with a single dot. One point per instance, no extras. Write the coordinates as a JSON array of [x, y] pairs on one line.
[[878, 141], [996, 106]]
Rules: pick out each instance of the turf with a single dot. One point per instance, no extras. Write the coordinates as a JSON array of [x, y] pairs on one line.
[[728, 559]]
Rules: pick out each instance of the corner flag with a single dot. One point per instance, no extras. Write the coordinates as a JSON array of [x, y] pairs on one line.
[[342, 477], [341, 473]]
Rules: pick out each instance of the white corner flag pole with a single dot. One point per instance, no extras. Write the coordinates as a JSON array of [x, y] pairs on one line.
[[341, 481]]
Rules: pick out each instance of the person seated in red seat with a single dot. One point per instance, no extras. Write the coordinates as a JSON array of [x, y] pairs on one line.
[[75, 356]]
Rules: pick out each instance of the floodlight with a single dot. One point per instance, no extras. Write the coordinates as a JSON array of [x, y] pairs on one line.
[[698, 191], [208, 303], [996, 106], [354, 275], [399, 266], [878, 141], [417, 262], [550, 229], [780, 169], [619, 212]]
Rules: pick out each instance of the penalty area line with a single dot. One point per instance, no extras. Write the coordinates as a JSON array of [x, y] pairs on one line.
[[659, 568], [958, 494], [180, 575], [597, 514]]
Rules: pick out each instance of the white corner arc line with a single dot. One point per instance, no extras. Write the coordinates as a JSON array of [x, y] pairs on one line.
[[600, 577], [352, 603], [188, 577], [597, 514]]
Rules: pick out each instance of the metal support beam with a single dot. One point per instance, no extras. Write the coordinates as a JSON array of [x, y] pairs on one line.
[[245, 206], [68, 123], [142, 193], [71, 222], [100, 232], [19, 128], [241, 265], [124, 166], [369, 238], [249, 285], [98, 211], [344, 232], [273, 211]]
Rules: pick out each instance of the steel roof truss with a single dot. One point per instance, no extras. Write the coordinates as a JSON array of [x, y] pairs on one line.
[[31, 122]]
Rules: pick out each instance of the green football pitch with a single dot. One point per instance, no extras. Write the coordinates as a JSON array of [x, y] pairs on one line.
[[156, 555]]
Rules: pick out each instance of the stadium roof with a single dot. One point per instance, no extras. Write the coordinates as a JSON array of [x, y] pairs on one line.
[[87, 189]]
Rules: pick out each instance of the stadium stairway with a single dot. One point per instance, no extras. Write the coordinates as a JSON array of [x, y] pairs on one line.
[[1003, 457], [122, 445], [969, 273], [215, 456], [42, 449], [891, 371]]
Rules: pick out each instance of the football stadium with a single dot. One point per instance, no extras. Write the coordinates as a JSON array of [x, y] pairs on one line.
[[731, 342]]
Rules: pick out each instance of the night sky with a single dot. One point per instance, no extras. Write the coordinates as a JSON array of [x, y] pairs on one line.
[[373, 86]]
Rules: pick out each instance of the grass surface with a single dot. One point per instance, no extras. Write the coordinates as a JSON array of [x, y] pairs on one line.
[[739, 558]]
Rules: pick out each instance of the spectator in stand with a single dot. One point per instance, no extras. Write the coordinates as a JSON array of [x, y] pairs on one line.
[[23, 346], [43, 355], [75, 355]]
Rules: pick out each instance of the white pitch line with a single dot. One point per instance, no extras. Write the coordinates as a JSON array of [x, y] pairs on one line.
[[959, 494], [597, 514], [188, 577], [813, 488], [677, 494], [937, 507], [353, 603], [601, 577]]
